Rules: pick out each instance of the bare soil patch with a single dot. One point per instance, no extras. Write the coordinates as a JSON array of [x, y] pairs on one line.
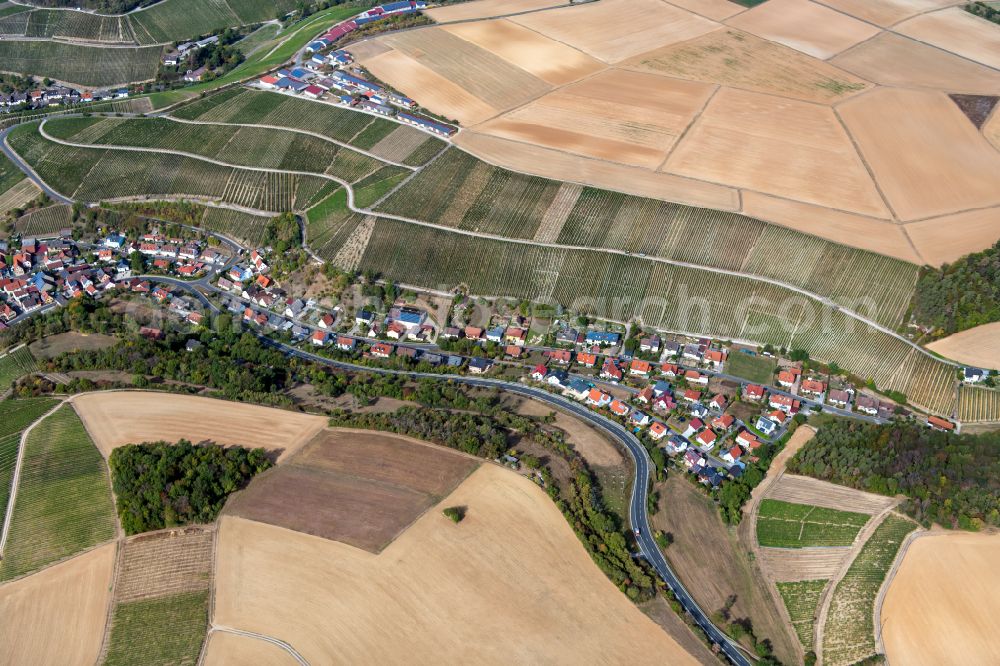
[[164, 563], [894, 60], [777, 146], [603, 29], [884, 12], [741, 60], [946, 593], [949, 166], [512, 559], [588, 118], [559, 165], [795, 564], [225, 649], [54, 345], [958, 31], [858, 231], [360, 488], [804, 26], [979, 346], [713, 564], [126, 417], [428, 87], [549, 60], [588, 441], [482, 9], [949, 237], [57, 615], [806, 490]]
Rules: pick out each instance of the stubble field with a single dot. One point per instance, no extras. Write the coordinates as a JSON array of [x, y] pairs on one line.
[[806, 26], [945, 594], [513, 560], [979, 346], [126, 417]]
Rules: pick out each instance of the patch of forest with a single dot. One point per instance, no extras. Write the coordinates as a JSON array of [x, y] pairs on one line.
[[961, 295]]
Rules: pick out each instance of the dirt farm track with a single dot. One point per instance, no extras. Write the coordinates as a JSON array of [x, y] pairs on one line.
[[794, 111]]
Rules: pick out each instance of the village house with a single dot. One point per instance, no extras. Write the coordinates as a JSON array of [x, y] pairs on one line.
[[480, 366], [766, 426], [973, 375], [785, 403], [587, 359], [936, 423], [650, 344], [838, 398], [598, 398], [753, 392], [381, 350], [691, 395], [657, 430], [619, 408], [787, 379], [746, 439], [718, 403], [716, 358], [639, 368], [724, 422], [610, 370], [345, 343], [732, 455], [670, 370], [695, 377], [645, 396], [867, 405], [577, 388], [560, 356], [813, 387]]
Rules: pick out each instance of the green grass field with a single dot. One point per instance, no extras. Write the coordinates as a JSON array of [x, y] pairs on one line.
[[787, 525], [63, 503], [81, 65], [802, 601], [165, 630], [759, 369], [14, 365], [849, 633]]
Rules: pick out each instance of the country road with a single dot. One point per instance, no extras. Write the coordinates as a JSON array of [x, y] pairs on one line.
[[825, 301]]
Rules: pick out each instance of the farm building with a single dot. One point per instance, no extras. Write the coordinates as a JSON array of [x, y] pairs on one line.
[[431, 126]]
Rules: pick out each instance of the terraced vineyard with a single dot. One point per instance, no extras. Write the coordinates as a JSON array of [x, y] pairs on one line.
[[242, 146], [255, 107], [164, 22], [452, 191], [802, 602], [94, 174], [63, 503], [15, 364], [849, 632], [80, 65], [329, 224], [786, 525], [246, 227], [161, 598], [46, 221], [15, 416], [977, 403]]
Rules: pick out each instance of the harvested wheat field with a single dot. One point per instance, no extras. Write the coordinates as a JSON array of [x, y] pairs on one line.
[[804, 26], [948, 168], [482, 9], [945, 596], [979, 346], [866, 233], [894, 60], [225, 649], [588, 118], [509, 584], [885, 12], [57, 615], [549, 60], [991, 129], [741, 60], [427, 87], [496, 81], [777, 146], [115, 418], [806, 490], [559, 165], [958, 31], [614, 30], [949, 237], [716, 10], [358, 487], [786, 565]]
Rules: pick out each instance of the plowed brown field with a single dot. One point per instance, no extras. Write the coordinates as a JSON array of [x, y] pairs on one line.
[[509, 584]]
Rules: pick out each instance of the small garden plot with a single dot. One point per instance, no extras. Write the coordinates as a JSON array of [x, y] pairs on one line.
[[758, 369], [15, 364], [786, 525], [849, 633], [802, 600], [63, 503]]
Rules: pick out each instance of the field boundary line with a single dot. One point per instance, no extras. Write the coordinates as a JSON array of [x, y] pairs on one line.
[[112, 604], [883, 589], [261, 637], [520, 241], [16, 477]]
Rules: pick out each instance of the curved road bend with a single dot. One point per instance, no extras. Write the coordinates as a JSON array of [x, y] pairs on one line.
[[477, 234]]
